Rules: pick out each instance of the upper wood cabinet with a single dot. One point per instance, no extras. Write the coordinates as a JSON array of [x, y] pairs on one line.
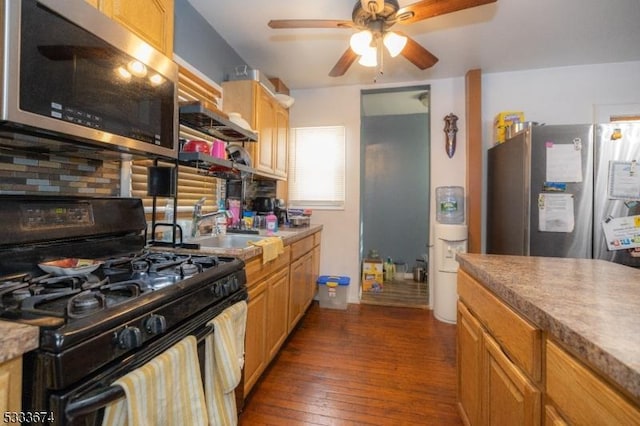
[[152, 20], [265, 115]]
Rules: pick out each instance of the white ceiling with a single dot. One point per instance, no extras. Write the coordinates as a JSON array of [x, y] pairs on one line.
[[504, 36]]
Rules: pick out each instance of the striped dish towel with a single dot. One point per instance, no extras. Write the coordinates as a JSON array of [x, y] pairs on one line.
[[224, 356], [165, 391], [272, 247]]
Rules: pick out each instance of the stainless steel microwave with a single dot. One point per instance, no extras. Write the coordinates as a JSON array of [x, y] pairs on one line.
[[72, 74]]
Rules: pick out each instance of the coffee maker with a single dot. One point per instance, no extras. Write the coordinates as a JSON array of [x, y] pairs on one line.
[[280, 210]]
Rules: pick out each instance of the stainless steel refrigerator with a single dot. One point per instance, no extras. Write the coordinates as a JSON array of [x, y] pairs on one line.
[[551, 188]]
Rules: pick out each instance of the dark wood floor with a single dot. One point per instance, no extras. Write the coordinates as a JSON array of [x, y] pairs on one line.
[[367, 365]]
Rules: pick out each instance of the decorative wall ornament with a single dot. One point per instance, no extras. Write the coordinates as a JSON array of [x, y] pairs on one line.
[[450, 130]]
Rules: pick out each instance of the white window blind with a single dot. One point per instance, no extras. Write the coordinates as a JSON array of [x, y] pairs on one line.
[[317, 167]]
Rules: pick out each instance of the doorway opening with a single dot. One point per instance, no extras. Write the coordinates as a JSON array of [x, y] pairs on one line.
[[395, 172]]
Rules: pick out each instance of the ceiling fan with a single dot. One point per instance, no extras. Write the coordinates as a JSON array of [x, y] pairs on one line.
[[374, 19]]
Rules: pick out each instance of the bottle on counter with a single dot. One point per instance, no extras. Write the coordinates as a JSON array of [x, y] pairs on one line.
[[272, 223], [168, 218], [389, 269]]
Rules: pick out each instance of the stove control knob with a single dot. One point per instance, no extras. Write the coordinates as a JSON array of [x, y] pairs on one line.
[[216, 289], [233, 284], [155, 324], [129, 338]]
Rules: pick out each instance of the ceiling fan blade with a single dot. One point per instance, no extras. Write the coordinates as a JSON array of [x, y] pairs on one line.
[[430, 8], [343, 64], [417, 55], [309, 23]]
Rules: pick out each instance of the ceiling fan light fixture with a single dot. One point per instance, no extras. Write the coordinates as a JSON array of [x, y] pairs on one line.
[[369, 58], [361, 42], [394, 43]]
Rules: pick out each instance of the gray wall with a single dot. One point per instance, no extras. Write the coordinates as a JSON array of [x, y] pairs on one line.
[[200, 45], [395, 186]]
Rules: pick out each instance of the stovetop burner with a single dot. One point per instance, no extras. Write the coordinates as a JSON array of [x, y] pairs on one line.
[[120, 279]]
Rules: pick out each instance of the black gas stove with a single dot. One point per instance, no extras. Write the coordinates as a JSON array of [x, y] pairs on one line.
[[99, 321]]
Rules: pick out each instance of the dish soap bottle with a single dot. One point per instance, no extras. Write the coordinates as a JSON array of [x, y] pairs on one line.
[[389, 270], [272, 223]]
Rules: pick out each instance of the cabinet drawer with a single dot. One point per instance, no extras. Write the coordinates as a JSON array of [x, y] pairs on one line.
[[317, 238], [581, 396], [256, 270], [301, 247], [520, 340]]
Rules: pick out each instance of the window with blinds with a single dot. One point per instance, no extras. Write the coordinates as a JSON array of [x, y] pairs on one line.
[[317, 167], [193, 183]]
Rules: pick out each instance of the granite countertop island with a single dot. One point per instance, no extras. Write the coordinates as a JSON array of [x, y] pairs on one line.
[[592, 307]]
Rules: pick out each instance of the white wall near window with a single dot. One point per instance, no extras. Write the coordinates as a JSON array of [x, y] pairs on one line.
[[317, 167]]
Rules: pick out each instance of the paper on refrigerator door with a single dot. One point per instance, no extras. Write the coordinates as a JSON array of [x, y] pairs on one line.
[[555, 212], [624, 180], [564, 162], [622, 232]]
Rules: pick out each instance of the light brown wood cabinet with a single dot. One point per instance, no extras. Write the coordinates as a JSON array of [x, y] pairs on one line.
[[577, 395], [499, 360], [265, 317], [265, 115], [277, 330], [500, 371], [11, 385], [151, 20], [255, 358], [302, 285], [276, 289]]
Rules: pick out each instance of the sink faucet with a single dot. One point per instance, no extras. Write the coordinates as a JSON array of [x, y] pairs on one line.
[[199, 217]]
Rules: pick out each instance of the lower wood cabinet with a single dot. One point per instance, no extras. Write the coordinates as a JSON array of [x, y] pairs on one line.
[[509, 396], [577, 395], [503, 378], [280, 292], [497, 367], [277, 325], [11, 385], [469, 356], [255, 359], [299, 300]]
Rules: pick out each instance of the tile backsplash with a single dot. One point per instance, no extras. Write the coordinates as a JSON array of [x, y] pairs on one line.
[[46, 173]]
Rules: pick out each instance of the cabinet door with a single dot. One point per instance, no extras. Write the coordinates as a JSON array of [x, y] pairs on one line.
[[296, 276], [581, 396], [469, 366], [552, 418], [151, 20], [266, 122], [255, 336], [278, 305], [281, 144], [315, 270], [510, 397], [10, 385], [310, 282]]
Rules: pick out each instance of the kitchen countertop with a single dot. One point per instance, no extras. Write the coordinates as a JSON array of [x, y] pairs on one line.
[[289, 236], [591, 306], [16, 339]]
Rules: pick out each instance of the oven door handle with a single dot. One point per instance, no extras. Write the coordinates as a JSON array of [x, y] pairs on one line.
[[103, 397]]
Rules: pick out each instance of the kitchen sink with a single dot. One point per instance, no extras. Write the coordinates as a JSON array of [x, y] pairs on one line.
[[227, 240]]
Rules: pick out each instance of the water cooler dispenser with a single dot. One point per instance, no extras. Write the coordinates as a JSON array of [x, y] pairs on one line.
[[450, 238]]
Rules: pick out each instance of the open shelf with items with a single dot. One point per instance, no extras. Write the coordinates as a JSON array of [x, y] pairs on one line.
[[198, 117], [217, 167]]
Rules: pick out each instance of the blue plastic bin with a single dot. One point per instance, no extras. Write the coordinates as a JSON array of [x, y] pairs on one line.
[[332, 291]]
